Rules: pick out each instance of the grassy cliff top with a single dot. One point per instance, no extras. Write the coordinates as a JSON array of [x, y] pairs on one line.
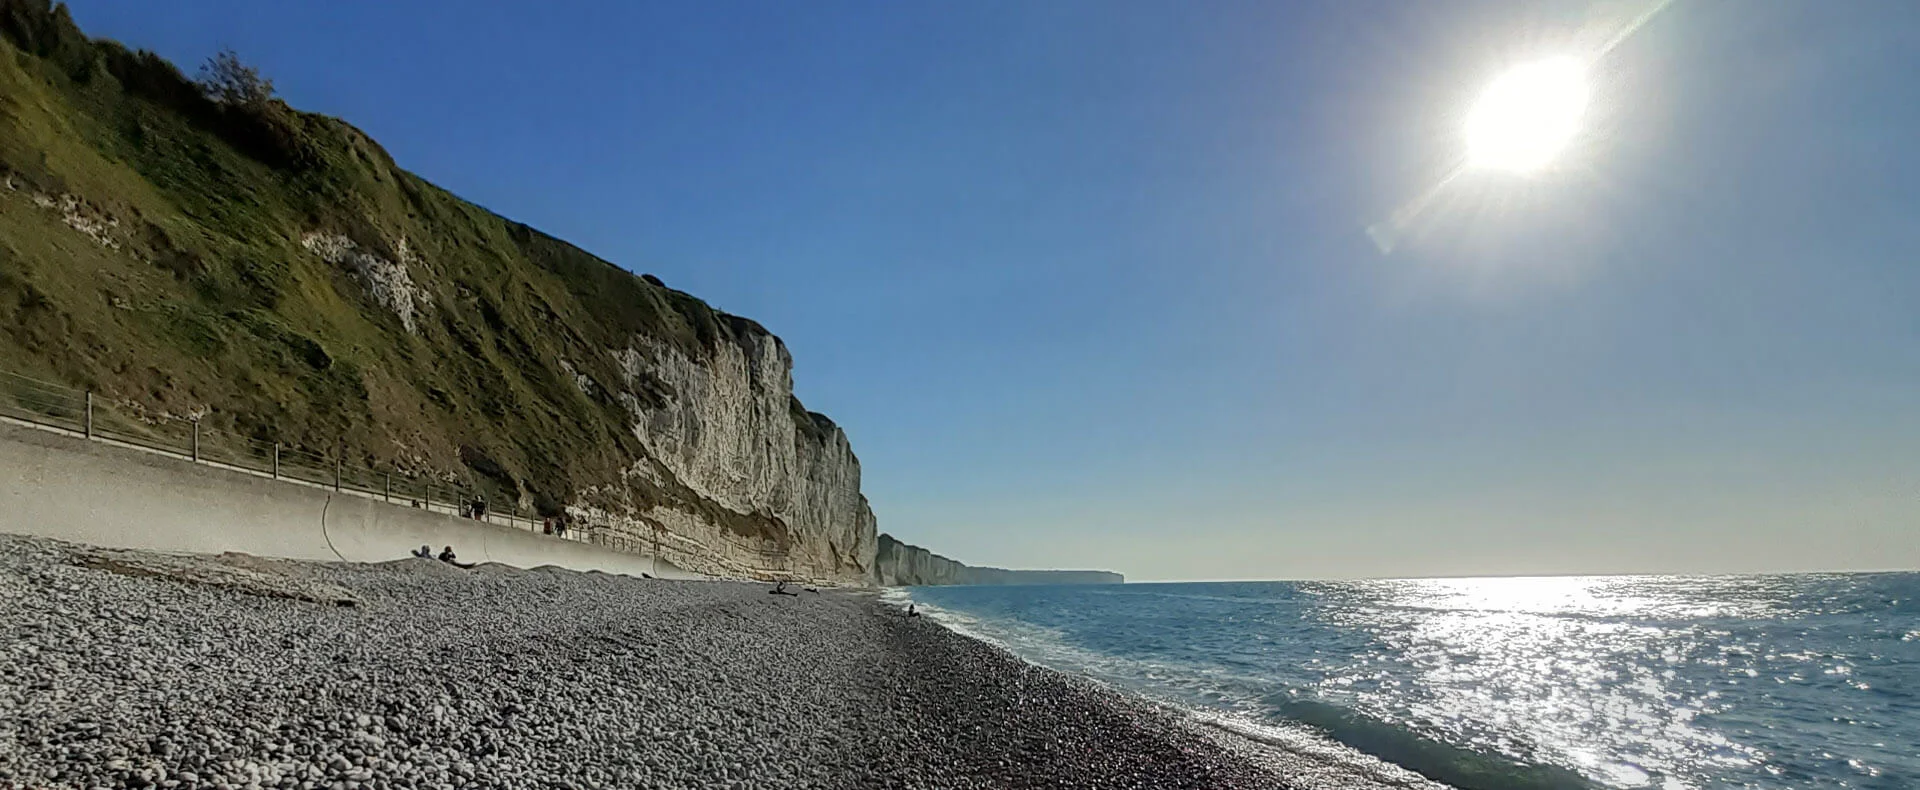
[[276, 271]]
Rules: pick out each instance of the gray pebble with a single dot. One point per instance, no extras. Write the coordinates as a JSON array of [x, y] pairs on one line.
[[448, 678]]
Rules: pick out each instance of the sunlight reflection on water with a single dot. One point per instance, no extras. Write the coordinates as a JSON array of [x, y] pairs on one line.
[[1633, 682], [1551, 669]]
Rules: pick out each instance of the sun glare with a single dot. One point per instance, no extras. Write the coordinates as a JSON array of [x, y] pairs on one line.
[[1526, 117]]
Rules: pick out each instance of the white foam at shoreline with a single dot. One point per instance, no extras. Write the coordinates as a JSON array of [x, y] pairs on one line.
[[1310, 753], [960, 623], [1295, 751]]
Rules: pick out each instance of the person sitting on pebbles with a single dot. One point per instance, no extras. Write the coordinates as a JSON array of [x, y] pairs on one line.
[[424, 552], [446, 556]]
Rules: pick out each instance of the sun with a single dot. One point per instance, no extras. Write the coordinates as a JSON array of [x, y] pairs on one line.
[[1527, 116]]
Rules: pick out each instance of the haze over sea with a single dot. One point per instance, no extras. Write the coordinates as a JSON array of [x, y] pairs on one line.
[[1776, 681]]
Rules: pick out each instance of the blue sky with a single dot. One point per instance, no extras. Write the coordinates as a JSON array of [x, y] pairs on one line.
[[1088, 283]]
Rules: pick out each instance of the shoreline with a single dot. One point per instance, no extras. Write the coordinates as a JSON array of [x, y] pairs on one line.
[[131, 669], [1291, 757]]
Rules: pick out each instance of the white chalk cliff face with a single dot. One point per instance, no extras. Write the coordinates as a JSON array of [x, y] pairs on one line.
[[899, 564], [387, 282], [740, 480]]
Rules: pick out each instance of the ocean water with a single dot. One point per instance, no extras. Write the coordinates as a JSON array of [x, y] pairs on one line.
[[1789, 681]]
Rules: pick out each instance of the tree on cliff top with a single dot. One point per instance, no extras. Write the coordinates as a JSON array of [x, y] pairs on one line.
[[230, 82]]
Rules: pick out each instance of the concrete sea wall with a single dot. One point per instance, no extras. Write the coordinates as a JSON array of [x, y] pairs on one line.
[[62, 486]]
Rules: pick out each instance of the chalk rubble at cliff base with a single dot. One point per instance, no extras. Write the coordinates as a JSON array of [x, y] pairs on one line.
[[141, 672]]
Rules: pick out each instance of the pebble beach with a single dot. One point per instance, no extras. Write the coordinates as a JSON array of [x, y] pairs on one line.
[[134, 669]]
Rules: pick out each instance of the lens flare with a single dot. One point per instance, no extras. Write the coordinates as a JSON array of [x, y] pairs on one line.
[[1527, 116]]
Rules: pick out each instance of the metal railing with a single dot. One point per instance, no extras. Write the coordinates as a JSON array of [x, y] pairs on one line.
[[88, 414]]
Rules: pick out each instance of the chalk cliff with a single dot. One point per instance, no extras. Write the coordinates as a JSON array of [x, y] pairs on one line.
[[899, 564], [274, 277], [737, 477]]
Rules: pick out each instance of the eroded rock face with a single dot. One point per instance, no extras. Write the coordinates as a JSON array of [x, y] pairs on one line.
[[899, 564], [740, 480], [387, 282], [102, 228]]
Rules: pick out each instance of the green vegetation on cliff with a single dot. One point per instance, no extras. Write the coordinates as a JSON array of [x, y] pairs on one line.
[[275, 271]]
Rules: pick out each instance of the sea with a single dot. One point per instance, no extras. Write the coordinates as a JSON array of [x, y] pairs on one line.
[[1670, 682]]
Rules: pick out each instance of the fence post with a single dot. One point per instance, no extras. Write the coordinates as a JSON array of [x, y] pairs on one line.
[[196, 441], [276, 460], [89, 414], [336, 471], [386, 488]]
